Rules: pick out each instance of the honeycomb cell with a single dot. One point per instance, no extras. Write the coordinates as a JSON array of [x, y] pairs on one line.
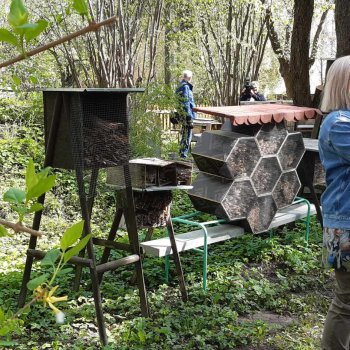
[[291, 151], [243, 158], [238, 200], [270, 137], [208, 192], [261, 214], [265, 175], [286, 189]]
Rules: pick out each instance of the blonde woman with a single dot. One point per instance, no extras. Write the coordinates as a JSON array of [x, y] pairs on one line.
[[334, 145]]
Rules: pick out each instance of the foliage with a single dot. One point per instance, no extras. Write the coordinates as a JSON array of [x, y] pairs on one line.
[[23, 31], [24, 202]]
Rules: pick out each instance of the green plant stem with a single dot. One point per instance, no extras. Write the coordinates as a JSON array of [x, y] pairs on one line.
[[26, 306], [57, 269]]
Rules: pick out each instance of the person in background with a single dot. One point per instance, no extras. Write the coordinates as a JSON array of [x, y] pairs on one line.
[[334, 147], [250, 92], [184, 91]]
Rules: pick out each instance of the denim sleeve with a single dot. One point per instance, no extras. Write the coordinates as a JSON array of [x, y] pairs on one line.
[[186, 100], [339, 136]]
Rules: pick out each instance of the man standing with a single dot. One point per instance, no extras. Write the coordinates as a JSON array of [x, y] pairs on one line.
[[184, 91]]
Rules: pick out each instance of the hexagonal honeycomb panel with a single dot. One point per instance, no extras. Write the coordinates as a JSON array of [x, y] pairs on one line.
[[291, 151], [249, 175], [234, 206], [266, 174], [226, 154], [286, 189], [270, 138], [261, 214]]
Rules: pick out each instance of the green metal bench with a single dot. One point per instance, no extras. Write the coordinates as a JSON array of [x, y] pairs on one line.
[[220, 230]]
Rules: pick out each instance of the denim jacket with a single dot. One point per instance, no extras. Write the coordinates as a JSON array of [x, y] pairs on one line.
[[334, 146], [185, 92]]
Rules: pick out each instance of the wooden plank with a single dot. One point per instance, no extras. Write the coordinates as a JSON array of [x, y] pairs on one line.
[[291, 213], [194, 239]]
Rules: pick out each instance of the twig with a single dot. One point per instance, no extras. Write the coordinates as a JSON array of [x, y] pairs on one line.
[[18, 227], [90, 28]]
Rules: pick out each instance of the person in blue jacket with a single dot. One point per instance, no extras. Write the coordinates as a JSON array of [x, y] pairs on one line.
[[184, 91], [334, 146]]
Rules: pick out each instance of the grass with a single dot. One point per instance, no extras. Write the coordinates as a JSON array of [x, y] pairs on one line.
[[262, 293]]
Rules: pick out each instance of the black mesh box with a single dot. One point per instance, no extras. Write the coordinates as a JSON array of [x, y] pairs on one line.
[[86, 128]]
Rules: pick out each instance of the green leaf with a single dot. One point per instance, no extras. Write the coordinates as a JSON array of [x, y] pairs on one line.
[[33, 79], [16, 80], [81, 7], [35, 207], [65, 271], [18, 14], [7, 343], [7, 37], [43, 185], [31, 178], [71, 235], [50, 257], [3, 231], [35, 30], [14, 195], [77, 248], [36, 282]]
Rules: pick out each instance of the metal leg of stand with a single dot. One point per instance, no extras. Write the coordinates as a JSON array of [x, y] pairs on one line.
[[177, 261]]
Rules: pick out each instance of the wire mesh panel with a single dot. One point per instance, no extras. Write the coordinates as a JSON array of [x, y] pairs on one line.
[[90, 128]]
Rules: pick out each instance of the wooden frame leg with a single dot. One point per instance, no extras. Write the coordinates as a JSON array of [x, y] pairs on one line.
[[177, 260]]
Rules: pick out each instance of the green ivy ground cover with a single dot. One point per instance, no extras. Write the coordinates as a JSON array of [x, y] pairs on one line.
[[262, 293]]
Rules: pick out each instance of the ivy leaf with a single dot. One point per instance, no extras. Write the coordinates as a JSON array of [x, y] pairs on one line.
[[7, 37], [81, 7], [18, 14], [14, 195], [77, 248], [71, 235], [36, 282], [3, 231], [50, 257]]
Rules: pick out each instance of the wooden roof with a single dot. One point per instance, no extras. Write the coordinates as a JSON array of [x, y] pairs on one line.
[[261, 113]]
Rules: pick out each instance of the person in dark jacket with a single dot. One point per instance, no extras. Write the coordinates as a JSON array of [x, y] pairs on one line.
[[252, 94], [334, 146], [184, 91]]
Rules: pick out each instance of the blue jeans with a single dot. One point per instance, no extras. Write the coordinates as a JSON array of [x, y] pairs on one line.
[[185, 143]]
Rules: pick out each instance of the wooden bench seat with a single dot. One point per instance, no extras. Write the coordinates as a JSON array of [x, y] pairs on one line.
[[195, 239]]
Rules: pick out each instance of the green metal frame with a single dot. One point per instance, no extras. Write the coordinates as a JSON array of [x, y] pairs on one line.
[[307, 219], [184, 219]]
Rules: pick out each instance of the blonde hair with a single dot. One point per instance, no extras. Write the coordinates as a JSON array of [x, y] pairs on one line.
[[336, 93]]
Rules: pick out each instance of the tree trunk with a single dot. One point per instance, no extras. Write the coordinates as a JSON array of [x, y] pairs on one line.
[[300, 46], [342, 25]]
